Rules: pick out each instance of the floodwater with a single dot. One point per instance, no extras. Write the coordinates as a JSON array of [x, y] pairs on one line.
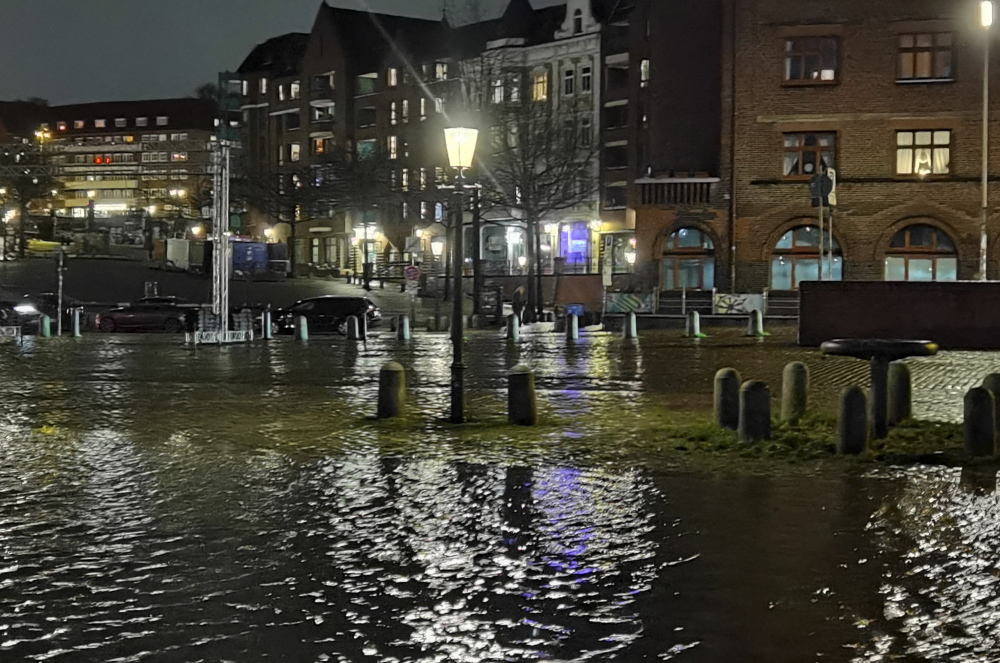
[[164, 503]]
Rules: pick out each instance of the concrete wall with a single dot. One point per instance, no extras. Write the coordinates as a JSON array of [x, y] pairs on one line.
[[958, 315]]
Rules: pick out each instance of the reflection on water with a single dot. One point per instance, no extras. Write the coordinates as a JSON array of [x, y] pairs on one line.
[[168, 503]]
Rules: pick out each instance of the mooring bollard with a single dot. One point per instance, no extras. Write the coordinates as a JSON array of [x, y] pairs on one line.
[[900, 407], [353, 329], [852, 426], [513, 328], [794, 392], [693, 325], [727, 398], [630, 328], [755, 323], [266, 328], [572, 327], [391, 390], [77, 326], [755, 412], [45, 326], [522, 404], [403, 328], [301, 328], [979, 427]]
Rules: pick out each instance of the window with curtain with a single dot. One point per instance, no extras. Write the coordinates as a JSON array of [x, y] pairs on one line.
[[923, 152]]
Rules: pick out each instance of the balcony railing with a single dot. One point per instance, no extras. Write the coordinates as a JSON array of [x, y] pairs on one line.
[[680, 191]]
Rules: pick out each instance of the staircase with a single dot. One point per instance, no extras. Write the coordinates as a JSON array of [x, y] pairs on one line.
[[680, 302]]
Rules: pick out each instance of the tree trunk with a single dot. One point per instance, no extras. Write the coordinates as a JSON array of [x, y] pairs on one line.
[[538, 285], [292, 248], [477, 261], [532, 291]]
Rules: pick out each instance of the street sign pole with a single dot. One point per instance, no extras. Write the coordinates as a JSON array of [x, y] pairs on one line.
[[821, 253]]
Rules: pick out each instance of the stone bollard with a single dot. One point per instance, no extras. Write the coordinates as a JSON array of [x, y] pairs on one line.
[[513, 328], [266, 328], [794, 392], [992, 383], [363, 327], [755, 323], [727, 398], [693, 326], [403, 328], [852, 426], [391, 390], [393, 323], [755, 412], [572, 327], [630, 328], [900, 400], [301, 328], [45, 326], [77, 327], [979, 427], [353, 328], [879, 397], [522, 405]]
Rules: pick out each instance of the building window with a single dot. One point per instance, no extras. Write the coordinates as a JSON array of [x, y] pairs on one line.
[[803, 153], [263, 86], [393, 144], [179, 156], [498, 91], [323, 113], [615, 156], [438, 105], [78, 124], [586, 131], [142, 121], [281, 93], [61, 126], [392, 113], [615, 197], [423, 179], [921, 252], [120, 122], [439, 212], [926, 56], [586, 79], [688, 261], [811, 59], [366, 117], [796, 258], [577, 22], [161, 120], [923, 152], [322, 83], [404, 179], [295, 90], [441, 71], [423, 109], [366, 148], [294, 152], [183, 136], [569, 82], [392, 77], [100, 124], [616, 76], [616, 117], [540, 86], [317, 146], [406, 110], [245, 88], [644, 73]]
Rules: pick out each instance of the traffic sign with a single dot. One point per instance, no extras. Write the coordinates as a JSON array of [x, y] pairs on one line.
[[412, 273], [821, 186]]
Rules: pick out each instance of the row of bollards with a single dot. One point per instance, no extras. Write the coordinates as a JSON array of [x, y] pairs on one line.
[[76, 324], [746, 406]]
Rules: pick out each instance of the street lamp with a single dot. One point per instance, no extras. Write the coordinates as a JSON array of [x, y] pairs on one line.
[[986, 21], [461, 144]]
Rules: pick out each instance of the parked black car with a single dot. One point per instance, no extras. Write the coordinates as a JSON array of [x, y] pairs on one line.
[[326, 315], [149, 314]]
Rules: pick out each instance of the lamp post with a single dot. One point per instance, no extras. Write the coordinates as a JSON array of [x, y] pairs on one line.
[[3, 221], [461, 144], [986, 21]]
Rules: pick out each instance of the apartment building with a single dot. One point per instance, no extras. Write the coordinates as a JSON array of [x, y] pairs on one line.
[[887, 95]]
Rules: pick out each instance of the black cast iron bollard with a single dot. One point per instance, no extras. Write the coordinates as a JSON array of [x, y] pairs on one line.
[[852, 426], [900, 406], [522, 404], [727, 398], [979, 427]]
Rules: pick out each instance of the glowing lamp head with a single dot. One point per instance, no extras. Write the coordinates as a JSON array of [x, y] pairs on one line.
[[630, 257], [522, 260], [268, 232], [461, 145], [986, 13], [198, 231], [437, 247]]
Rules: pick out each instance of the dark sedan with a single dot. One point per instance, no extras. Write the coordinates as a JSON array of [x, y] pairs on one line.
[[327, 315], [150, 314]]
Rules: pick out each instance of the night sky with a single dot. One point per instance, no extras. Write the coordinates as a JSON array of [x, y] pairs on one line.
[[74, 51]]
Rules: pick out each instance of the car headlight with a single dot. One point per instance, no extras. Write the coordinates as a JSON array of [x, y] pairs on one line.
[[26, 309]]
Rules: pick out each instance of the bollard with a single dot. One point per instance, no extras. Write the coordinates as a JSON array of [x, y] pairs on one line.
[[301, 328], [755, 412], [77, 313], [794, 392], [900, 393], [513, 328], [266, 328], [630, 329], [353, 330], [572, 327], [879, 396], [693, 326], [727, 398], [979, 428], [755, 323], [363, 327], [45, 326], [391, 390], [403, 328], [852, 426], [522, 406], [393, 323], [992, 383]]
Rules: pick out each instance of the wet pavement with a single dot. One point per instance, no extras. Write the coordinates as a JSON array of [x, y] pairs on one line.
[[168, 503]]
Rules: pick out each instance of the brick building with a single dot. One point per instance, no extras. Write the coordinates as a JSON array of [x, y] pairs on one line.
[[887, 94]]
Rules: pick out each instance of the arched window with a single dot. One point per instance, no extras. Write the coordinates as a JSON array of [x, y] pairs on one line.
[[921, 253], [796, 258], [689, 261], [577, 22]]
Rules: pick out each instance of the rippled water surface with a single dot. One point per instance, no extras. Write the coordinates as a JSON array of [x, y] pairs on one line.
[[162, 503]]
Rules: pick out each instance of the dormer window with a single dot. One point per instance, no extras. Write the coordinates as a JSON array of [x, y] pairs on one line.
[[577, 22]]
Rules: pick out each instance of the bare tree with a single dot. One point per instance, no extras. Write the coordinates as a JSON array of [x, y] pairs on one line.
[[25, 177]]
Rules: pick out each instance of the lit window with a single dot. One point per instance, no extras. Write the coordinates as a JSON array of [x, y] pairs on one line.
[[423, 179], [281, 93], [294, 90], [438, 105], [61, 126], [804, 152], [439, 212], [925, 57], [120, 122], [179, 156], [540, 86], [294, 152], [392, 113], [515, 88], [366, 148], [923, 152], [423, 109], [99, 124], [498, 91], [161, 120], [644, 73], [142, 121], [404, 179], [263, 86], [78, 124], [406, 111], [392, 77], [245, 85], [393, 147], [441, 71]]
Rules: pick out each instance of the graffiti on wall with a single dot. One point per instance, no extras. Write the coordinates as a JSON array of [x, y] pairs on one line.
[[627, 302], [738, 304]]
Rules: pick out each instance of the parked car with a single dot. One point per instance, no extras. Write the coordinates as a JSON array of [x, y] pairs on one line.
[[149, 314], [22, 313], [327, 314]]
